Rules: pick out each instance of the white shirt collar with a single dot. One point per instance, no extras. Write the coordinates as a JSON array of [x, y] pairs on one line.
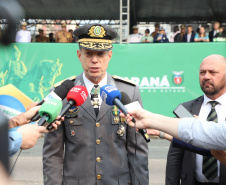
[[89, 85], [221, 99]]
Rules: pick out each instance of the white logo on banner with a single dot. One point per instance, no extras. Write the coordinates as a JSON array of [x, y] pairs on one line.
[[156, 84]]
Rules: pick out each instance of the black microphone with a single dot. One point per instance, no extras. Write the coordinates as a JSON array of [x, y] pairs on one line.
[[125, 99], [59, 93]]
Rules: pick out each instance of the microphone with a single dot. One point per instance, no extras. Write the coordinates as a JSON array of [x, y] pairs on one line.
[[75, 97], [111, 96], [125, 99], [49, 111], [59, 93]]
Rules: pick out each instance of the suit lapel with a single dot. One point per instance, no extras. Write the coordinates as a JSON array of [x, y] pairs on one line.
[[87, 106], [104, 107], [196, 106]]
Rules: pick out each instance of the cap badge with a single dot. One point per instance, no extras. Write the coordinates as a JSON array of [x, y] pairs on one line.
[[97, 31]]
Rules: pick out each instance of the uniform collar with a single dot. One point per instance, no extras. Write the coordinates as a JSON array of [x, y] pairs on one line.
[[89, 85]]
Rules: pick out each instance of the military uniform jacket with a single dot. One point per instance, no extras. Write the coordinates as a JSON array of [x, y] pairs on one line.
[[86, 150]]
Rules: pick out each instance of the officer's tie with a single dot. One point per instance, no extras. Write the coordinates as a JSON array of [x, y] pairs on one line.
[[94, 98], [209, 164]]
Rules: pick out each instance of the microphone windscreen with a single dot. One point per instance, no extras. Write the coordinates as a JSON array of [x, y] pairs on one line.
[[125, 99], [79, 94], [64, 88], [108, 93], [52, 108]]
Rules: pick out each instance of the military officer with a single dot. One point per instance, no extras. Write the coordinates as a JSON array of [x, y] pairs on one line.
[[135, 37], [63, 36], [41, 37], [94, 145]]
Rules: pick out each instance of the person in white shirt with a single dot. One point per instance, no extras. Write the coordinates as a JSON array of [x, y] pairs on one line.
[[23, 35], [135, 37]]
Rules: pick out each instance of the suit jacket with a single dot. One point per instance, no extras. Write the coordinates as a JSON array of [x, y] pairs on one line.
[[177, 38], [164, 39], [192, 39], [211, 36], [186, 146], [86, 149], [181, 163]]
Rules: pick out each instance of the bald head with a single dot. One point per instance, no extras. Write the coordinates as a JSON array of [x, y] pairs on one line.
[[216, 59], [212, 76]]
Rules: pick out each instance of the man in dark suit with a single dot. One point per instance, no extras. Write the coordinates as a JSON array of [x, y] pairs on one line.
[[179, 37], [187, 167], [212, 34], [189, 36]]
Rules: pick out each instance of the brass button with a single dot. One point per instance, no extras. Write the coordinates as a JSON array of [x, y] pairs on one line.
[[71, 122], [97, 124], [98, 141], [129, 182], [98, 159], [98, 177]]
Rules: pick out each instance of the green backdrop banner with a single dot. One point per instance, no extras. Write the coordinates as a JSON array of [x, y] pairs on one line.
[[167, 74]]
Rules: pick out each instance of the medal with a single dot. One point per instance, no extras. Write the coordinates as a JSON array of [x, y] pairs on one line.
[[115, 110], [95, 102], [123, 120], [121, 130], [116, 119], [72, 133]]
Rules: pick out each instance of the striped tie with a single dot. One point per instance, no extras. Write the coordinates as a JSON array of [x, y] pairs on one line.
[[209, 164]]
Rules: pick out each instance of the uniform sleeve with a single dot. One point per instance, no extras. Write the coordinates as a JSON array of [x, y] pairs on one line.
[[137, 150], [53, 150], [15, 141], [203, 134]]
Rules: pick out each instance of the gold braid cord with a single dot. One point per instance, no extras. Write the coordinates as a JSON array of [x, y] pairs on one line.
[[96, 45]]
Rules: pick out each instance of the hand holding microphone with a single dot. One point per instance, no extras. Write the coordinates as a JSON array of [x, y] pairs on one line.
[[76, 97], [59, 93], [49, 111], [111, 96]]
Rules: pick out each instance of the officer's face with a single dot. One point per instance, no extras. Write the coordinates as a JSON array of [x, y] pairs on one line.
[[212, 76], [94, 63]]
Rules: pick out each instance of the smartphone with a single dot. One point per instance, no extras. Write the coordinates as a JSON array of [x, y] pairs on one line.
[[182, 112]]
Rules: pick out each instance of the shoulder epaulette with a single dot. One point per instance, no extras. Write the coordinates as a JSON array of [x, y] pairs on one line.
[[72, 78], [126, 80]]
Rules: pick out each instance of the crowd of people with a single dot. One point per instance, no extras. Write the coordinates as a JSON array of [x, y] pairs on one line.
[[62, 36], [181, 34]]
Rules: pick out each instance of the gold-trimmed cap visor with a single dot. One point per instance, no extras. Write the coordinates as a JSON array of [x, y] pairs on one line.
[[95, 44]]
